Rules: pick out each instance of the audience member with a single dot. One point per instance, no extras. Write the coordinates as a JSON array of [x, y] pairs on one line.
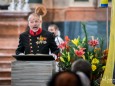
[[56, 33], [84, 79], [55, 30], [65, 78], [82, 66]]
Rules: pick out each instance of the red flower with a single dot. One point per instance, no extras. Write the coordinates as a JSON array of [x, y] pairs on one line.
[[93, 43], [79, 53], [67, 39], [63, 45]]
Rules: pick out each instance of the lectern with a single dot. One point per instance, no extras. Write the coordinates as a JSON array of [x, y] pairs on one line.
[[32, 70]]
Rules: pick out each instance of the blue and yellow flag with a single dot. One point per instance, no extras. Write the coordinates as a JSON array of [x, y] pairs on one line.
[[109, 74], [104, 3]]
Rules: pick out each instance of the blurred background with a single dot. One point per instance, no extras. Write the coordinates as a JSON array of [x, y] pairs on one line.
[[66, 14]]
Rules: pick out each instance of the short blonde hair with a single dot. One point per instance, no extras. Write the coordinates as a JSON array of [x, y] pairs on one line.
[[33, 14]]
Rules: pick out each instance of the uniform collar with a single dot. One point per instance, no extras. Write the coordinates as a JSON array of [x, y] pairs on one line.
[[35, 33]]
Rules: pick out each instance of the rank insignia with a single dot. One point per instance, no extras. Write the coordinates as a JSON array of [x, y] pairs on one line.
[[41, 40]]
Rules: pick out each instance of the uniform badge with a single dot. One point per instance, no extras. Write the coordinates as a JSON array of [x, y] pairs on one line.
[[41, 40]]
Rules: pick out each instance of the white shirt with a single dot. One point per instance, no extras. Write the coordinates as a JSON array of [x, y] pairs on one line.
[[58, 40]]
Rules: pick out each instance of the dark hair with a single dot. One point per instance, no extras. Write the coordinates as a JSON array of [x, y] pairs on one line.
[[53, 79], [54, 25], [82, 66]]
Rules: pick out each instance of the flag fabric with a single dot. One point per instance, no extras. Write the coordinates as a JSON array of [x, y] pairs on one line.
[[109, 74], [104, 3]]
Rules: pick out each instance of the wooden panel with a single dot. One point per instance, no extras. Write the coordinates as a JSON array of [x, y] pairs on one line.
[[31, 73], [77, 14]]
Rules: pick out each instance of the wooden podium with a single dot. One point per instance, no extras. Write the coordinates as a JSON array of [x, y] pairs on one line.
[[32, 70]]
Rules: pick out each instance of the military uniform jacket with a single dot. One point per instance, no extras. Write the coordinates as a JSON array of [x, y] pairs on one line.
[[36, 43]]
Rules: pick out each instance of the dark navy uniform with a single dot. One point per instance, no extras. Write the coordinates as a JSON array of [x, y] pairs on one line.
[[36, 43]]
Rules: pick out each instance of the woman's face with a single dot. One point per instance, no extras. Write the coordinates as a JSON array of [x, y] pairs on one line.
[[66, 79]]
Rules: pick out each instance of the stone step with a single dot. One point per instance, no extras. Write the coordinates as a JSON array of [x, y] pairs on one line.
[[5, 85], [5, 81], [5, 69], [8, 51], [5, 64], [13, 30], [7, 78], [5, 74], [8, 45], [8, 42], [6, 57]]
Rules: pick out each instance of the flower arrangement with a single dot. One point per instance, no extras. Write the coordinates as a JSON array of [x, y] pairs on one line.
[[90, 50]]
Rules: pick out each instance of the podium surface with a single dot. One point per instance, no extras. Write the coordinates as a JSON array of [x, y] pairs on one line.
[[32, 57], [32, 73]]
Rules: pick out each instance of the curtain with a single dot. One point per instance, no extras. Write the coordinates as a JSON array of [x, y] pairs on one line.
[[109, 74]]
